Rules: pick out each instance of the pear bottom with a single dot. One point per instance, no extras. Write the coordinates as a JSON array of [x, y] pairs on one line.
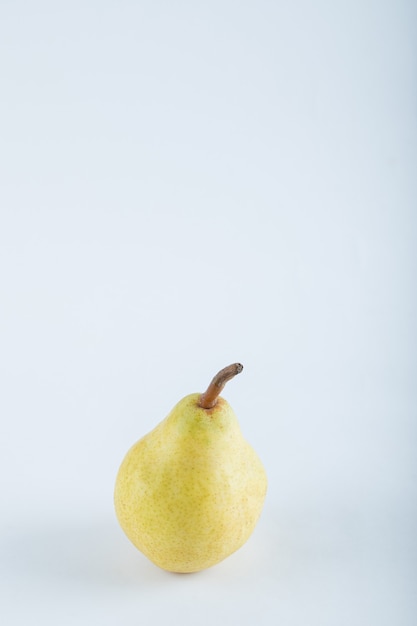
[[193, 528]]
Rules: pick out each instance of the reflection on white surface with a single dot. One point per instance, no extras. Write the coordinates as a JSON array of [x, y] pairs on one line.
[[336, 562]]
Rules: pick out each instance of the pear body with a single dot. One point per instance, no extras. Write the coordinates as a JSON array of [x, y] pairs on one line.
[[189, 493]]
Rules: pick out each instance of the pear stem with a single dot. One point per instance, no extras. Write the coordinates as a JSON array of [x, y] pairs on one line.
[[208, 399]]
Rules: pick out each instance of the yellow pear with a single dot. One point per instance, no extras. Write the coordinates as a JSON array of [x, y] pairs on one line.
[[189, 493]]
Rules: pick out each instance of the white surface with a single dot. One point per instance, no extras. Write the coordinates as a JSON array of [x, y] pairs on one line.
[[184, 185]]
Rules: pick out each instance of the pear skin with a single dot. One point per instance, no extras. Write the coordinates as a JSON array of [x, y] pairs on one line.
[[190, 492]]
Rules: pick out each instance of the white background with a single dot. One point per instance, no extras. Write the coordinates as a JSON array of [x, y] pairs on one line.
[[184, 185]]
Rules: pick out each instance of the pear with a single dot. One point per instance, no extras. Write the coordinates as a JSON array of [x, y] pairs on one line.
[[190, 492]]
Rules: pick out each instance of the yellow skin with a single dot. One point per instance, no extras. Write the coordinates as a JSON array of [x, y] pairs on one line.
[[190, 492]]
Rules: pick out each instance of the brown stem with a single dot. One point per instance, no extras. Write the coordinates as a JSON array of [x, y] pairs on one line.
[[208, 399]]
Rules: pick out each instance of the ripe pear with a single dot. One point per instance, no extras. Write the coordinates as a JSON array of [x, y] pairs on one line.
[[190, 492]]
